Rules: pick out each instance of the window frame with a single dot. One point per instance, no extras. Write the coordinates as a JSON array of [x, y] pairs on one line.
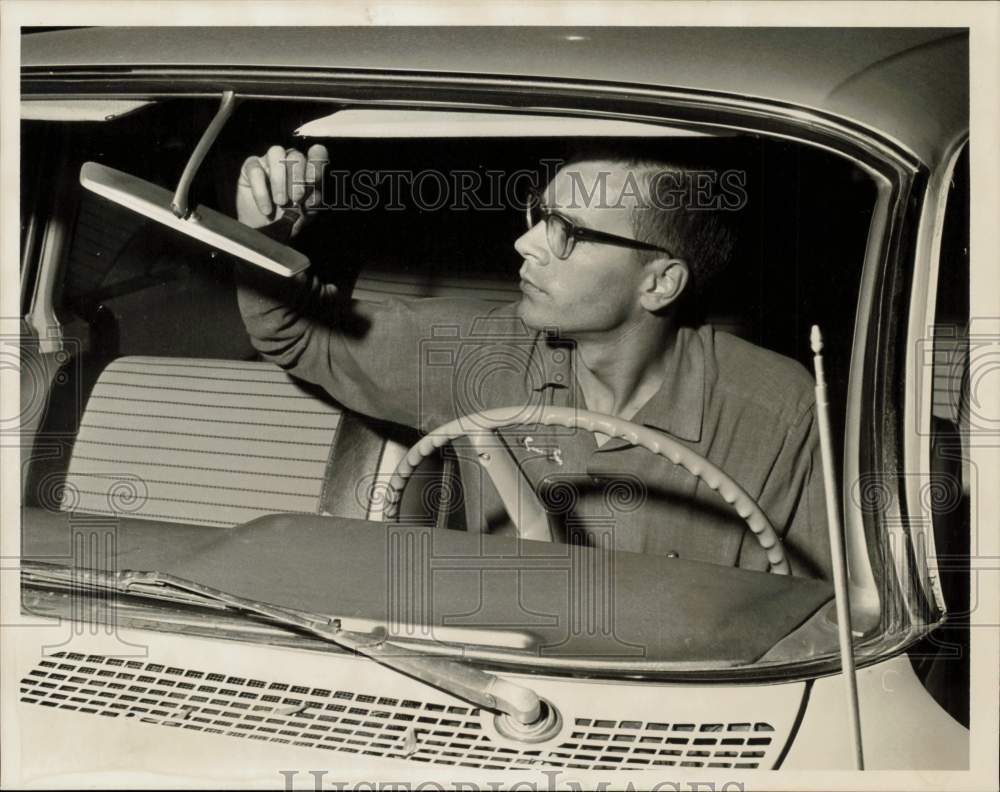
[[883, 297], [918, 408]]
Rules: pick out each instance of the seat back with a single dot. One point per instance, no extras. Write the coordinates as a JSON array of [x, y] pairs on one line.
[[208, 442], [378, 285]]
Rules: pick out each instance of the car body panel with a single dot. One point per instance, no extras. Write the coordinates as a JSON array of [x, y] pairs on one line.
[[807, 74], [902, 727], [322, 679], [851, 74]]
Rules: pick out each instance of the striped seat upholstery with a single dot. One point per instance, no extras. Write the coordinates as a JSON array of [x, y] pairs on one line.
[[207, 442]]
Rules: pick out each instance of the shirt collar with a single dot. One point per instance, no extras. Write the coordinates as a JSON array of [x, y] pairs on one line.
[[676, 408]]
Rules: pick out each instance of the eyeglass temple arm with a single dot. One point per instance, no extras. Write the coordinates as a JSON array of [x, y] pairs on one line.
[[587, 234]]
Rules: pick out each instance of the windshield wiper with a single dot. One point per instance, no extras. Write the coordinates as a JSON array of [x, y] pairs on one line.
[[478, 687]]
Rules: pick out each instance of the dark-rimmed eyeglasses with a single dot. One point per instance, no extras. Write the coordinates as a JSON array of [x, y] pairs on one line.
[[561, 233]]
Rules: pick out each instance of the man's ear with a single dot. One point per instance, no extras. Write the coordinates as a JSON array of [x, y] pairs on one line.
[[666, 279]]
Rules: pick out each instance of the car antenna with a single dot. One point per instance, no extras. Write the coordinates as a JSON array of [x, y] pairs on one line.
[[837, 556], [175, 211]]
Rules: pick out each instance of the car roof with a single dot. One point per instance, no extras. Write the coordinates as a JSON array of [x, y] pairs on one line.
[[911, 84]]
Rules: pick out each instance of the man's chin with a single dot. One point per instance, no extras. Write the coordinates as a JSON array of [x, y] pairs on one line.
[[533, 318]]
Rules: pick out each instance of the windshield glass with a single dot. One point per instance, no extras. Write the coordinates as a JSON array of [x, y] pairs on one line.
[[240, 430]]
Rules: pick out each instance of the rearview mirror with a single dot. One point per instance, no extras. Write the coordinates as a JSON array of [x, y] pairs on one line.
[[209, 226], [174, 210]]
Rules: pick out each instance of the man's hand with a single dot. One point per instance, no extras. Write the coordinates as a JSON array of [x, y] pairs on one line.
[[281, 178]]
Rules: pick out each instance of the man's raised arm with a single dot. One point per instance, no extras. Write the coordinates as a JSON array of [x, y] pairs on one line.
[[366, 355]]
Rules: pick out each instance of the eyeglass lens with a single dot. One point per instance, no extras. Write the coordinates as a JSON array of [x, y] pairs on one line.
[[556, 232]]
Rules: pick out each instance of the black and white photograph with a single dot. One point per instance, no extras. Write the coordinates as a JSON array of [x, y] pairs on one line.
[[483, 397]]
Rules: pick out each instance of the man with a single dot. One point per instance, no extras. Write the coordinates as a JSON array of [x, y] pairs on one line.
[[606, 258]]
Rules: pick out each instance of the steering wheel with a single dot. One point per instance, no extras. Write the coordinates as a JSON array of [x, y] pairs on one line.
[[485, 421]]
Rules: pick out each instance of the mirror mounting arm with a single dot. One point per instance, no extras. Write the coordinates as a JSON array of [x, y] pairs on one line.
[[180, 204]]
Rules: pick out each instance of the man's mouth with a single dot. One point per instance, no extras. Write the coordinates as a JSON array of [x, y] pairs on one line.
[[530, 288]]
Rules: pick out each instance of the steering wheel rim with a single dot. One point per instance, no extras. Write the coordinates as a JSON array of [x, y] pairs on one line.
[[651, 439]]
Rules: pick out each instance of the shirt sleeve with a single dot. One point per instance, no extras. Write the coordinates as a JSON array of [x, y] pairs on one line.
[[367, 355], [794, 499]]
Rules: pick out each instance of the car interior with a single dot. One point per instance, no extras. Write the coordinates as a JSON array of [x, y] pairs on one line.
[[158, 370]]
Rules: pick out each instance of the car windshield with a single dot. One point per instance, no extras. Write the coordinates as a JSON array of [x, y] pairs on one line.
[[209, 444]]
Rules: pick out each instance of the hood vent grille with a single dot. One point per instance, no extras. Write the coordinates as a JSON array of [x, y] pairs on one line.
[[372, 725]]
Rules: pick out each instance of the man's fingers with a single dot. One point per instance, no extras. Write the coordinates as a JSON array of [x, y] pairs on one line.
[[277, 174], [296, 175], [255, 175], [279, 178], [316, 165], [318, 160]]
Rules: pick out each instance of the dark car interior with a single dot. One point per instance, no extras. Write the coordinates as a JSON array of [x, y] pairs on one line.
[[150, 317], [132, 288], [134, 294]]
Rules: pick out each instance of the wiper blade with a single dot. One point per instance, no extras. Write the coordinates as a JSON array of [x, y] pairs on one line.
[[478, 687]]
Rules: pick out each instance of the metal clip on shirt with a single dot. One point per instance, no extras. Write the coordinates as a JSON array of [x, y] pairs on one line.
[[552, 453]]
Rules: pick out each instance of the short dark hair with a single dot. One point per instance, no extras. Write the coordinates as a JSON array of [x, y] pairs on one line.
[[704, 238]]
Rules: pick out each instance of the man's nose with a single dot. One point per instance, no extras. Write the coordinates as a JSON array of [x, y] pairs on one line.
[[533, 243]]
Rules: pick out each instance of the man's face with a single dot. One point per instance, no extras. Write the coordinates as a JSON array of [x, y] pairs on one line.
[[594, 291]]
